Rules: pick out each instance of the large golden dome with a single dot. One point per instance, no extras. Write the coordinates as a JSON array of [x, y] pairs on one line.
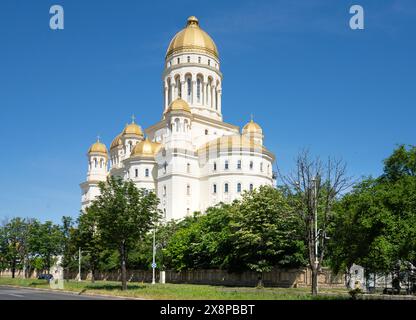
[[192, 39], [133, 128], [98, 147], [178, 105], [252, 127], [146, 148], [116, 142]]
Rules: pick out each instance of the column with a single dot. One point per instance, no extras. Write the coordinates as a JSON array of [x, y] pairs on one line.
[[183, 89], [166, 96], [172, 91], [219, 100], [212, 97], [193, 100]]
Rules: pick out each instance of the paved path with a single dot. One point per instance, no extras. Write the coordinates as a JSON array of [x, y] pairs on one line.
[[12, 293]]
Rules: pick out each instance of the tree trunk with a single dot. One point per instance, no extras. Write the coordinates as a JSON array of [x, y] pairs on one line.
[[260, 280], [13, 268], [314, 281], [123, 267], [92, 275]]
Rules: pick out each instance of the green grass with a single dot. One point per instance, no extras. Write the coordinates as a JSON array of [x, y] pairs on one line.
[[183, 291]]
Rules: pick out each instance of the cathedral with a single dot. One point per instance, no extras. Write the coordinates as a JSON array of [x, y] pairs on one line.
[[191, 158]]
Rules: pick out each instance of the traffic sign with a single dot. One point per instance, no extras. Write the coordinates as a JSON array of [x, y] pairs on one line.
[[154, 265]]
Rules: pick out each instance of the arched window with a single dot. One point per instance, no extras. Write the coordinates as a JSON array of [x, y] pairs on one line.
[[101, 163], [198, 90], [164, 212], [95, 162], [177, 124], [216, 100], [164, 167], [164, 191], [206, 132], [226, 165], [179, 87], [199, 59], [251, 187], [239, 164], [188, 190], [251, 165], [226, 187], [189, 85], [209, 62], [239, 187], [146, 172], [268, 169], [136, 173], [214, 188], [261, 166], [130, 146], [188, 59], [187, 211], [188, 168], [215, 166], [179, 60]]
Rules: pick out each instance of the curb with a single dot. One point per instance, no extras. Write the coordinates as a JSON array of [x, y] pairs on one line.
[[74, 292]]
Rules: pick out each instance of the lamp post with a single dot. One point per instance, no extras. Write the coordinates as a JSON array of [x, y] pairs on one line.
[[315, 209], [154, 255], [79, 264]]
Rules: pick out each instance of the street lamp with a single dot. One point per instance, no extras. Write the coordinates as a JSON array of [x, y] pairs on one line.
[[79, 264], [315, 209], [154, 254]]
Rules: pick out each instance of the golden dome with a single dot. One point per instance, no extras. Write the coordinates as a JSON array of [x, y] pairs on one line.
[[116, 142], [252, 127], [146, 148], [133, 128], [192, 39], [98, 147], [179, 105], [235, 143]]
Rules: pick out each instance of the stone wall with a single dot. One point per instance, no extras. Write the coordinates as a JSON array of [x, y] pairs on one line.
[[276, 278]]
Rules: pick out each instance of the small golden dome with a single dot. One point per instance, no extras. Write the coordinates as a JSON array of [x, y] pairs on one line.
[[116, 142], [252, 127], [133, 128], [98, 147], [192, 39], [146, 148], [178, 105]]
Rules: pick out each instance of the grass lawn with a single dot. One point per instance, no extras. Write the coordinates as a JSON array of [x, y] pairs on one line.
[[183, 291]]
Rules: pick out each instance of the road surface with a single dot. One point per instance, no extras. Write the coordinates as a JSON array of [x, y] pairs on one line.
[[12, 293]]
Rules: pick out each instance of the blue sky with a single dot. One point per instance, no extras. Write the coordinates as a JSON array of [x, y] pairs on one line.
[[310, 81]]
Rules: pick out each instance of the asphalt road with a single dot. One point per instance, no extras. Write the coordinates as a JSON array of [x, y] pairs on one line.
[[12, 293]]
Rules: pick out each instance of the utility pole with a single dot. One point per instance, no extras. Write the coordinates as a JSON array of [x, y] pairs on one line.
[[79, 264]]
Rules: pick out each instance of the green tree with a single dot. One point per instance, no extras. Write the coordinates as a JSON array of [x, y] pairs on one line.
[[14, 243], [46, 242], [124, 214], [202, 241], [375, 226], [267, 232], [89, 240]]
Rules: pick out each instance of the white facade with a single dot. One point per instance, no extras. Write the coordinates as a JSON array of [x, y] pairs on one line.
[[191, 158]]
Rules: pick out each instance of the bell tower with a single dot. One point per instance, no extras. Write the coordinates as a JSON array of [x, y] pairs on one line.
[[192, 71]]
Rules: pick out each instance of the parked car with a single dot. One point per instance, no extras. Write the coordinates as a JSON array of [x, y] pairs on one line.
[[45, 276]]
